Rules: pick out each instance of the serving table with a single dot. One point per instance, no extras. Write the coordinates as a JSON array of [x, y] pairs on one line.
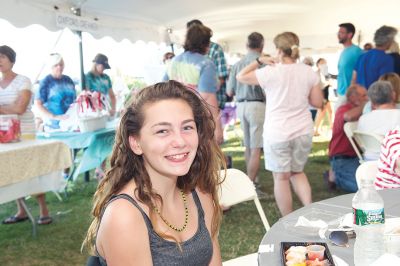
[[31, 167]]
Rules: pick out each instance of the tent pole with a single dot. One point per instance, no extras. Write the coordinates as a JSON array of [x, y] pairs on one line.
[[77, 12], [83, 86]]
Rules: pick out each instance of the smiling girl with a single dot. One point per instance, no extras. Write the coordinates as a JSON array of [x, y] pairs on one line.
[[158, 203]]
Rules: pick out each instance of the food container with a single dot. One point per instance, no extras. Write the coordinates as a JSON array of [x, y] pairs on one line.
[[392, 236], [88, 124], [286, 245], [10, 128]]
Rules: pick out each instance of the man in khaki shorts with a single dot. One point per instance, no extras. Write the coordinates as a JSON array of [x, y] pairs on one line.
[[250, 106]]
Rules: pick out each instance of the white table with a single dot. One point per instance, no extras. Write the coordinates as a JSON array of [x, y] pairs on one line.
[[96, 145], [340, 205], [31, 167]]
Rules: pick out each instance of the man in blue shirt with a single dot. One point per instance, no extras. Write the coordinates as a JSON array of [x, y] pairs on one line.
[[374, 63], [347, 60]]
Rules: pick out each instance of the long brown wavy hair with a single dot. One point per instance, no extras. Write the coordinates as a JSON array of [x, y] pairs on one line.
[[203, 174]]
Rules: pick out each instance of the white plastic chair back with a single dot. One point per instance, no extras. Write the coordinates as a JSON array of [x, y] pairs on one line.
[[366, 170], [349, 128], [368, 141], [238, 188]]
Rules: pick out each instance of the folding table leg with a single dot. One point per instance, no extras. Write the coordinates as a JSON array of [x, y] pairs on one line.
[[87, 176], [22, 201]]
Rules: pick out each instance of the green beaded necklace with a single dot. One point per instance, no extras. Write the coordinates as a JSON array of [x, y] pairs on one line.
[[186, 215]]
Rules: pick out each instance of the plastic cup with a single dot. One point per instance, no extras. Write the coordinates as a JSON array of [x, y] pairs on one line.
[[10, 128], [315, 252], [392, 244]]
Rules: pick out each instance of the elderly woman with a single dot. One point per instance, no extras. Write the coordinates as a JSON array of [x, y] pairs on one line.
[[15, 97], [288, 128], [56, 93], [384, 115]]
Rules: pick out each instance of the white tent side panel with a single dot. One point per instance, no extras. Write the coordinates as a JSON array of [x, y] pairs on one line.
[[22, 13]]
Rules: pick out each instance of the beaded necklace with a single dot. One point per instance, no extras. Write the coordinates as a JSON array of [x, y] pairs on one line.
[[186, 215]]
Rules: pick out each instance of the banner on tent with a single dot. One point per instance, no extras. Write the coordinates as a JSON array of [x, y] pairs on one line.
[[76, 23]]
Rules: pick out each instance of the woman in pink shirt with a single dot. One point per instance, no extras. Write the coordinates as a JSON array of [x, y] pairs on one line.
[[288, 128]]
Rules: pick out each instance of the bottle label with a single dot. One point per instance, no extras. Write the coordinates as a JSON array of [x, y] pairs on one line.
[[366, 217]]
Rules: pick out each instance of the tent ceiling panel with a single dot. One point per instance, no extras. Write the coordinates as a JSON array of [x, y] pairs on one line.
[[315, 21]]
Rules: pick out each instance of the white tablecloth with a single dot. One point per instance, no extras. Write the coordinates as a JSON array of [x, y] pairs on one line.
[[32, 166]]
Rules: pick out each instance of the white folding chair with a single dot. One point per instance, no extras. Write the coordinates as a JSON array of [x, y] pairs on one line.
[[238, 188], [366, 170], [349, 128], [369, 143]]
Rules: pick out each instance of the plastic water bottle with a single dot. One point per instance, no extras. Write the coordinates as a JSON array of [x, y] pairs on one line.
[[369, 224]]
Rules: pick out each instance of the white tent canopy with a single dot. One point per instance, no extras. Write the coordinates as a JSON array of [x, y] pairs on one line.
[[315, 21]]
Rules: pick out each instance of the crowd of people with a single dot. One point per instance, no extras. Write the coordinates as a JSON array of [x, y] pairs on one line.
[[370, 83], [158, 202], [51, 101]]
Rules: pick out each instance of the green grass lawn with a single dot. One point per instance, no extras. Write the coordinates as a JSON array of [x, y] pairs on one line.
[[59, 243]]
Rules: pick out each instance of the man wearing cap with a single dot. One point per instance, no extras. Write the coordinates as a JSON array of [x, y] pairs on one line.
[[96, 80], [56, 93]]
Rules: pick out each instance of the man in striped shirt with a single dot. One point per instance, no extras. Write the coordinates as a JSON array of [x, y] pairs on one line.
[[388, 175]]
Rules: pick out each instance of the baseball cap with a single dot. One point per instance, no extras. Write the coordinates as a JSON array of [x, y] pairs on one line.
[[54, 59], [101, 60]]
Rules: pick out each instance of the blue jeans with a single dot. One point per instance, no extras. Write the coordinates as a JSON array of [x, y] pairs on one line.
[[345, 172]]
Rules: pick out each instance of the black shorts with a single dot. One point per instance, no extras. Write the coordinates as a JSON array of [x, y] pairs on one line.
[[325, 91]]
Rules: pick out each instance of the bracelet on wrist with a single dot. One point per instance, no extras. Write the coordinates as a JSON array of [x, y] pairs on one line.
[[259, 62]]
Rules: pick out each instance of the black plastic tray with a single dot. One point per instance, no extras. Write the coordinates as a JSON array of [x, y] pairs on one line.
[[286, 245]]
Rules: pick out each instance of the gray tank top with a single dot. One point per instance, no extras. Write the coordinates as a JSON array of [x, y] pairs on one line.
[[196, 251]]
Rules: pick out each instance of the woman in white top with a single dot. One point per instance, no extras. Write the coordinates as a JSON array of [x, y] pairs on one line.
[[288, 128], [15, 92], [15, 98]]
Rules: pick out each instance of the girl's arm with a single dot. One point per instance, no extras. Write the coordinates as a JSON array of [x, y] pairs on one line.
[[123, 238]]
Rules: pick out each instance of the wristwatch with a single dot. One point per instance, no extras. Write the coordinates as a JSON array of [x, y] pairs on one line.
[[259, 62]]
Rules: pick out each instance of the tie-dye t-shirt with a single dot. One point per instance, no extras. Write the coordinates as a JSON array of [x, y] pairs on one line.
[[194, 70], [101, 83], [56, 96]]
